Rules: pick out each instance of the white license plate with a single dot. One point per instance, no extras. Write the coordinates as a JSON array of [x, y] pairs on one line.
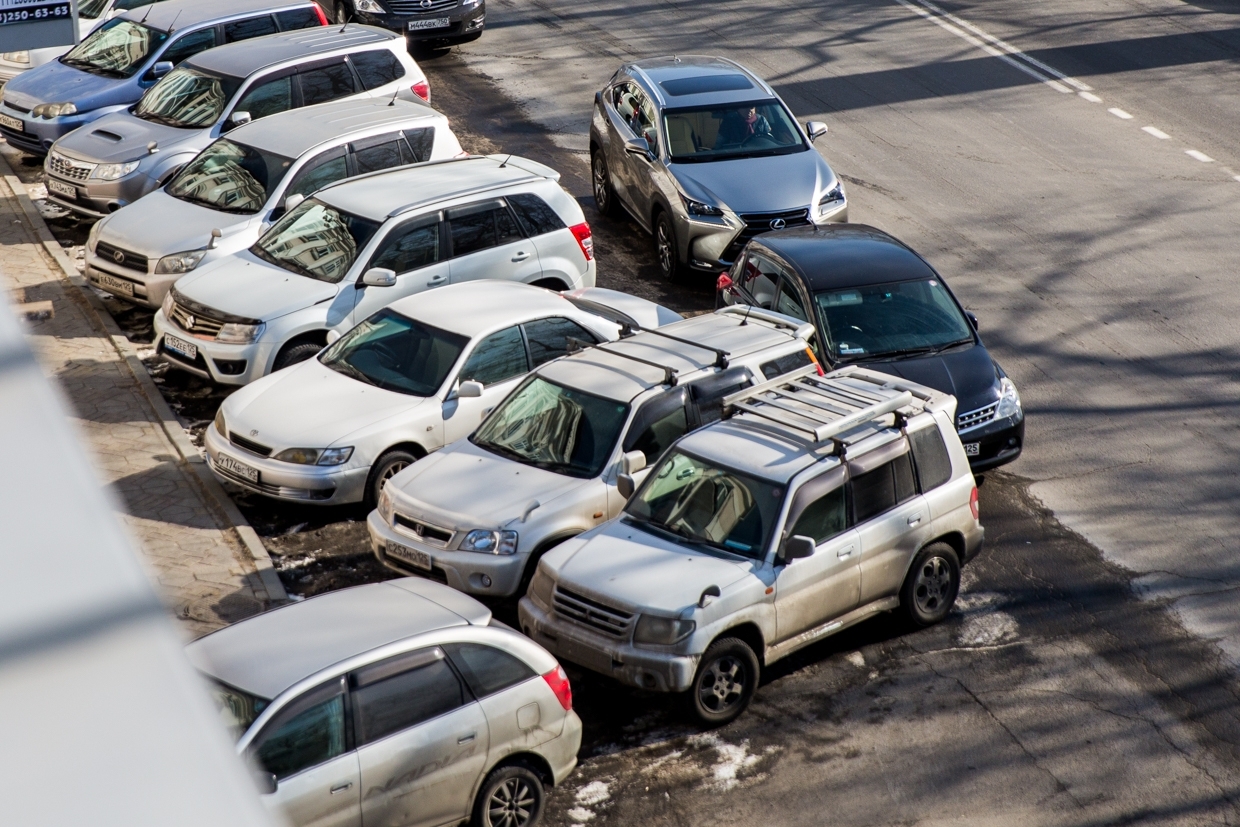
[[120, 286], [61, 188], [972, 448], [437, 23], [239, 468], [189, 351], [13, 123], [410, 555]]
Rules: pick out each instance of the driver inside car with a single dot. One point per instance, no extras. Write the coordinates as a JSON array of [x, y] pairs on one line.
[[739, 125]]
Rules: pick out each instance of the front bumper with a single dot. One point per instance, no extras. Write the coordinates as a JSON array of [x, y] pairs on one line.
[[317, 485], [221, 363], [463, 24], [38, 134], [619, 660], [465, 571], [994, 444], [127, 282], [711, 244], [95, 198]]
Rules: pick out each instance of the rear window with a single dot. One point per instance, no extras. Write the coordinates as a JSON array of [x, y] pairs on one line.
[[487, 670], [785, 364], [297, 19], [535, 214], [885, 487], [377, 67], [934, 466]]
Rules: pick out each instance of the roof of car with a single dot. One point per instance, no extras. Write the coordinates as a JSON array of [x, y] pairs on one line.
[[186, 13], [845, 255], [755, 447], [475, 307], [700, 80], [615, 377], [296, 131], [268, 653], [245, 57], [382, 194]]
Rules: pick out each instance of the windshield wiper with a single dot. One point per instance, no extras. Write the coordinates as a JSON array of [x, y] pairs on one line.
[[283, 263], [341, 366], [920, 351]]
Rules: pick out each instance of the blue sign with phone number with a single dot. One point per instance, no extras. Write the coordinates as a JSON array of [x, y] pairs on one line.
[[34, 13]]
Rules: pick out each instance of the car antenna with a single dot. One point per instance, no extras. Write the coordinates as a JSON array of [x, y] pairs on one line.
[[148, 13], [505, 164], [172, 28], [392, 102], [347, 20], [748, 310]]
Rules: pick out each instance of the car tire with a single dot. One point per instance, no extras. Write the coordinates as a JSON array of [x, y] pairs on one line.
[[931, 586], [665, 248], [511, 796], [726, 679], [341, 13], [386, 467], [299, 352], [604, 193]]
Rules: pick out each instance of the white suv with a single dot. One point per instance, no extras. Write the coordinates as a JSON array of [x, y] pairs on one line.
[[361, 244], [544, 465], [823, 503]]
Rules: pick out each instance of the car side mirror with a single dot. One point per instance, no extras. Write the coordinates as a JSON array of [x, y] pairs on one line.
[[797, 547], [469, 389], [333, 336], [625, 485], [972, 317], [291, 203], [637, 146], [237, 119], [161, 68], [815, 130], [379, 277], [632, 462], [266, 782]]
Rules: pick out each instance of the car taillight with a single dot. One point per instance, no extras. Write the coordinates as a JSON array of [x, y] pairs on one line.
[[558, 681], [974, 506], [423, 90], [585, 240], [322, 17]]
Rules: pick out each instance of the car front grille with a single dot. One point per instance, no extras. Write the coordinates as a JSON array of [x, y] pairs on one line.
[[432, 535], [66, 167], [196, 323], [598, 616], [976, 418], [249, 445], [417, 7], [757, 223], [123, 258]]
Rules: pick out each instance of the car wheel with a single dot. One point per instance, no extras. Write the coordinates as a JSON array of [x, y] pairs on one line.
[[665, 247], [931, 586], [725, 682], [342, 14], [386, 467], [511, 796], [297, 353], [604, 195]]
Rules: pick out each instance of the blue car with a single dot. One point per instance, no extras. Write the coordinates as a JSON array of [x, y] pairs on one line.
[[112, 68]]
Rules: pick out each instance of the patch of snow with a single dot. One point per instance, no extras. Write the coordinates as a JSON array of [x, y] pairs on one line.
[[732, 759], [580, 814], [988, 630], [596, 792], [856, 659]]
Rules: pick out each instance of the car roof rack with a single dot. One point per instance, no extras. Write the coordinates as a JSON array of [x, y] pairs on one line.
[[826, 406], [630, 329]]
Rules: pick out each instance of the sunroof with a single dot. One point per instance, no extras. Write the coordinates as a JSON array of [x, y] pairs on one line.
[[705, 84]]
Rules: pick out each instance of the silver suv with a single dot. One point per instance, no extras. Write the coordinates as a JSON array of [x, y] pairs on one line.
[[815, 504], [705, 155]]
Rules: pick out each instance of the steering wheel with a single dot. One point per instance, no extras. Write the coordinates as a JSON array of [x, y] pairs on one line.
[[384, 354]]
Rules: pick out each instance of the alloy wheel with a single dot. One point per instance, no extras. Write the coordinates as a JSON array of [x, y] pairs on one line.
[[722, 684], [391, 471], [933, 585], [600, 183], [511, 804], [665, 250]]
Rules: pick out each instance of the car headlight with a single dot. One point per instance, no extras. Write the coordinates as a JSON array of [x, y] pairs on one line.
[[469, 4], [53, 110], [662, 630], [111, 172], [17, 57], [220, 424], [239, 334], [300, 456], [386, 509], [700, 208], [832, 199], [180, 262], [369, 6], [92, 238], [1009, 400], [166, 307], [335, 456], [490, 542], [541, 588]]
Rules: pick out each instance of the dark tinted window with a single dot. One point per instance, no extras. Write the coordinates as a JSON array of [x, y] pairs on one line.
[[421, 142], [297, 19], [498, 357], [824, 518], [885, 487], [902, 470], [934, 466], [708, 393], [377, 67], [267, 98], [488, 670], [789, 303], [535, 215], [306, 734], [191, 44], [548, 338], [408, 248], [326, 83], [785, 364], [654, 439], [379, 156], [506, 229], [326, 168], [383, 705], [478, 228], [245, 29]]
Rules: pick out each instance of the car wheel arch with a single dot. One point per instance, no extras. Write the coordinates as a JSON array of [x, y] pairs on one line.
[[954, 539], [533, 762], [748, 632], [317, 336]]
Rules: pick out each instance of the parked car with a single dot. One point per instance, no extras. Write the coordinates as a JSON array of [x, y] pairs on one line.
[[397, 703], [824, 502], [544, 465], [705, 156], [879, 304], [429, 22], [359, 245], [112, 68], [243, 182], [418, 374], [213, 93]]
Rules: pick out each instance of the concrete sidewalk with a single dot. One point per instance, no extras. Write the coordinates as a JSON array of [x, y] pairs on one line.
[[208, 565]]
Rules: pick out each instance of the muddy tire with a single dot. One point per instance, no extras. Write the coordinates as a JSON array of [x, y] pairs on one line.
[[726, 679], [511, 796], [931, 586]]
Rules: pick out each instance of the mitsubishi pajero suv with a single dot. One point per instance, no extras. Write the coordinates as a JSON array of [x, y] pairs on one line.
[[815, 503]]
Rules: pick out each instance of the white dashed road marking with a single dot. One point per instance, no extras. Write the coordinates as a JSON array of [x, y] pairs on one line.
[[1200, 156], [1156, 132], [1090, 96]]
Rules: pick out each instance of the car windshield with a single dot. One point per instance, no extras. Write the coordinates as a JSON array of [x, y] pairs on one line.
[[230, 177], [237, 709], [907, 318], [187, 98], [315, 240], [707, 504], [91, 9], [117, 49], [743, 130], [553, 427], [396, 353]]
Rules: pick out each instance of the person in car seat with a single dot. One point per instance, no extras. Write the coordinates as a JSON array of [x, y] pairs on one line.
[[741, 124]]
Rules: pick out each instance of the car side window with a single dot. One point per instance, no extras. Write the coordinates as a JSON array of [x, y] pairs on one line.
[[824, 518], [379, 152], [480, 227], [486, 669], [658, 424], [420, 143], [186, 46], [788, 302], [402, 692], [708, 393], [325, 82], [934, 465], [409, 247], [548, 338], [498, 357], [321, 170], [297, 19], [759, 277], [644, 122], [267, 98], [305, 733], [535, 215], [377, 67], [883, 488], [252, 27]]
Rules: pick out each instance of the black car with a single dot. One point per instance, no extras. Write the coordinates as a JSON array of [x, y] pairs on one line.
[[423, 21], [876, 302]]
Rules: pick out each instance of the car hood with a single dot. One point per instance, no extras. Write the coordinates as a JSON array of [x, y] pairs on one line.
[[55, 82], [245, 285], [309, 405], [968, 374], [159, 225], [121, 137], [744, 184], [496, 491], [641, 570]]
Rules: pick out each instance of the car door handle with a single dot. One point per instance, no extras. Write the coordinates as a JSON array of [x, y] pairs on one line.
[[846, 551], [914, 520], [521, 256], [339, 788], [465, 739], [439, 279]]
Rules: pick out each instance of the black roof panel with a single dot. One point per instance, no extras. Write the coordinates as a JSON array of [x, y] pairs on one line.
[[846, 255]]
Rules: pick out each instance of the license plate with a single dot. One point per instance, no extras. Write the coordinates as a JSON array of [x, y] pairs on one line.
[[437, 23], [13, 123], [61, 188], [189, 351], [410, 555], [584, 655], [238, 468], [123, 287], [972, 448]]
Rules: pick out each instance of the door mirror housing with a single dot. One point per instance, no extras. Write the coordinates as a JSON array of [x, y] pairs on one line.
[[626, 485], [972, 317], [797, 547], [237, 119], [333, 336], [815, 130], [291, 203], [469, 389], [638, 146], [632, 462], [161, 68], [379, 277]]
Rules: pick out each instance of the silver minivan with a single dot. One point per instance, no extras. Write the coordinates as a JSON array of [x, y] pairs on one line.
[[397, 704]]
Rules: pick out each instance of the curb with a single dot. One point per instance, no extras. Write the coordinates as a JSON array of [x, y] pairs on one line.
[[215, 494]]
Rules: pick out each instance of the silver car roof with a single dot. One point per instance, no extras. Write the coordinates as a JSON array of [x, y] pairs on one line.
[[245, 57], [656, 70], [266, 654], [296, 131], [474, 307], [186, 13]]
